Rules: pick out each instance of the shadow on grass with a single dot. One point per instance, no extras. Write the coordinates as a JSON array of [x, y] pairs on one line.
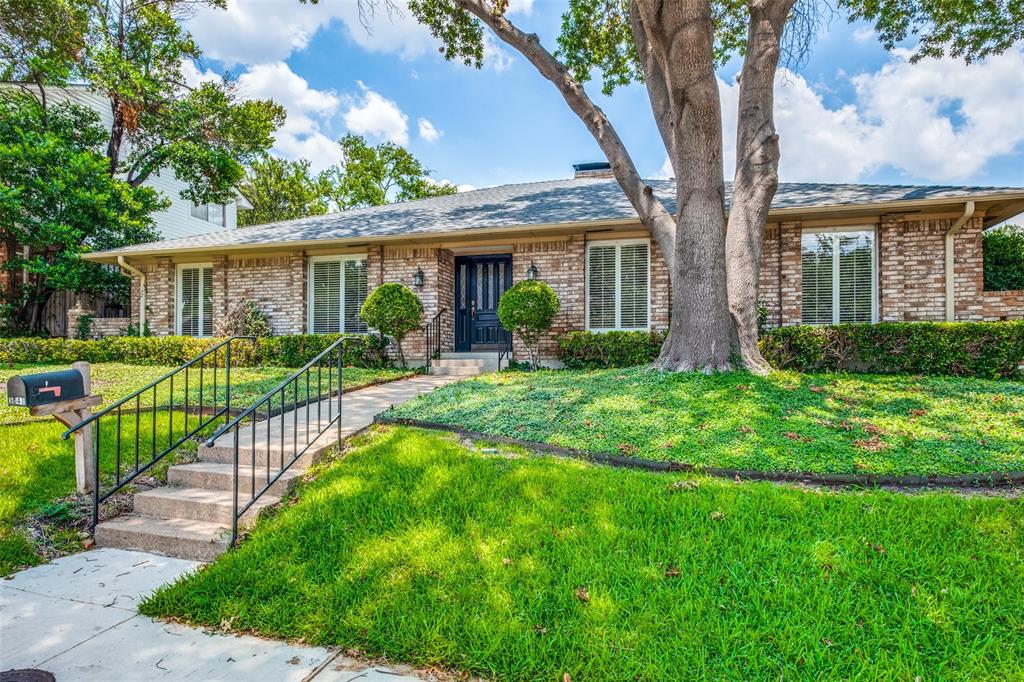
[[415, 549]]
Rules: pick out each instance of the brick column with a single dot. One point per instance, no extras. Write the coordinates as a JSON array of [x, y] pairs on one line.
[[561, 264], [220, 295], [769, 281], [790, 274]]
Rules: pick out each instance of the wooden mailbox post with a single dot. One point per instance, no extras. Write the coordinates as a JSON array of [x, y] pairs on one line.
[[71, 412]]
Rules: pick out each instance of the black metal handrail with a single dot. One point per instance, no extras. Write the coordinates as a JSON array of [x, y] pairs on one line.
[[208, 411], [249, 420], [506, 352], [432, 331]]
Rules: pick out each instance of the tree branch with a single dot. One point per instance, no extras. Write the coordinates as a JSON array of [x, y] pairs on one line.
[[653, 214], [657, 85]]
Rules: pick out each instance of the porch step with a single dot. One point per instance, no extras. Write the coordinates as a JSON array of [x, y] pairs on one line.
[[222, 454], [181, 538], [196, 504], [464, 364], [471, 355], [218, 476]]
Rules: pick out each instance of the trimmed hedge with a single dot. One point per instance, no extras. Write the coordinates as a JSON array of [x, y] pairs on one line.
[[589, 350], [358, 350], [984, 349]]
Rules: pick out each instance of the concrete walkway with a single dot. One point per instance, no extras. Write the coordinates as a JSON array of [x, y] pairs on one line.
[[76, 618]]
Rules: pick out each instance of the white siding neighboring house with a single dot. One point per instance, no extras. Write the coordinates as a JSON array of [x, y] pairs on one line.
[[182, 218]]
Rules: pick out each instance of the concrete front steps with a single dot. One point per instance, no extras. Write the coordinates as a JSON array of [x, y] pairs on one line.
[[465, 364], [190, 518]]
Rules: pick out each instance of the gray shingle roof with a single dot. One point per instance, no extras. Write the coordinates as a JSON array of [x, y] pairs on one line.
[[536, 203]]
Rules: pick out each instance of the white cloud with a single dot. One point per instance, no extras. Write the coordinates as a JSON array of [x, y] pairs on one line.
[[373, 115], [496, 57], [194, 77], [940, 120], [863, 34], [302, 135], [465, 187], [427, 130], [524, 7]]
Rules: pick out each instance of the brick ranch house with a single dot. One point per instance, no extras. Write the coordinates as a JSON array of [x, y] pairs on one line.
[[833, 253]]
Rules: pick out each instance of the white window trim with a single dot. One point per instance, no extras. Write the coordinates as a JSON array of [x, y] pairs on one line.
[[340, 258], [847, 229], [618, 284], [178, 305]]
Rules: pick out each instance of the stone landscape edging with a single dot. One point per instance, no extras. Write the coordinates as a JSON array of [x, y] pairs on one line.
[[990, 480]]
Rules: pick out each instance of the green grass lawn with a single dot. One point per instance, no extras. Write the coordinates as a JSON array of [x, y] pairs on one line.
[[37, 467], [417, 549], [839, 423]]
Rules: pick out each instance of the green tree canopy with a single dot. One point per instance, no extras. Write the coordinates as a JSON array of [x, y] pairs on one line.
[[372, 175], [282, 190], [133, 52], [57, 200]]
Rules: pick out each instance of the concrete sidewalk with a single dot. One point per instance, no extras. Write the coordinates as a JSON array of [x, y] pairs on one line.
[[76, 618]]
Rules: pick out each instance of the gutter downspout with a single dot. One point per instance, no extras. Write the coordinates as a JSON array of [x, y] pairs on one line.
[[950, 284], [142, 291]]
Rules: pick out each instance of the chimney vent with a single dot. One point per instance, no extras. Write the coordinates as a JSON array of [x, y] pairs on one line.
[[593, 169]]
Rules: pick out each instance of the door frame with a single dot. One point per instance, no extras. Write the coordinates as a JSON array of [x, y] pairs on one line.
[[462, 342]]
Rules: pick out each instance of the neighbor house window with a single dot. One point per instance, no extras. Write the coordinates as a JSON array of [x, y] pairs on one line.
[[838, 277], [211, 213], [618, 285], [337, 289], [194, 300]]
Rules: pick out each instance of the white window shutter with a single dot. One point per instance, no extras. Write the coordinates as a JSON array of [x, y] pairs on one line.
[[633, 286], [326, 297], [856, 278], [189, 301], [355, 295], [817, 279], [601, 287], [206, 318]]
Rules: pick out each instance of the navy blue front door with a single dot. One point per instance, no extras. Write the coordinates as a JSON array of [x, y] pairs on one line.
[[479, 283]]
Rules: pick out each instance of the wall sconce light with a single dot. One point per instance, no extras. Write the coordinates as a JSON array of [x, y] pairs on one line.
[[532, 272], [417, 279]]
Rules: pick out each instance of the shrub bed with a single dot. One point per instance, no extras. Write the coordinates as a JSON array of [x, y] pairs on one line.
[[984, 349], [359, 350]]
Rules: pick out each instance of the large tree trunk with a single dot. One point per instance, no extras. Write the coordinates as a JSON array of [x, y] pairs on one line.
[[116, 135], [678, 38], [757, 173]]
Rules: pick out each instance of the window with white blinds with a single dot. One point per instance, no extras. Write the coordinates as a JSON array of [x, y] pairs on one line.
[[337, 289], [195, 307], [618, 285], [838, 277]]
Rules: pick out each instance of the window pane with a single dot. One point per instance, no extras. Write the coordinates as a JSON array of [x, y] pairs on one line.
[[355, 294], [855, 276], [326, 297], [201, 211], [189, 301], [601, 287], [207, 294], [216, 214], [633, 286], [816, 250]]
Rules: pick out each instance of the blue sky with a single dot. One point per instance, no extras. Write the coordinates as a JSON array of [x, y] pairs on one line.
[[852, 113]]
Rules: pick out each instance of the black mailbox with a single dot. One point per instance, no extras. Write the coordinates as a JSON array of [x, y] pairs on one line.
[[45, 388]]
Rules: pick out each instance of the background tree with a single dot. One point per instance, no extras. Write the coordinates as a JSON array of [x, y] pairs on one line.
[[380, 174], [527, 309], [57, 200], [282, 190], [674, 48], [1004, 258], [394, 310]]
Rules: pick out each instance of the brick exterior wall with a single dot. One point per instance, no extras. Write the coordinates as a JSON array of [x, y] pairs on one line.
[[910, 280]]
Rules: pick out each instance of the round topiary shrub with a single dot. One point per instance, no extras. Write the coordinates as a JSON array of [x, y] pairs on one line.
[[393, 310], [527, 309]]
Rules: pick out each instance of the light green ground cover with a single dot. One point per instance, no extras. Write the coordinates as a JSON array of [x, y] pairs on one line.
[[839, 423]]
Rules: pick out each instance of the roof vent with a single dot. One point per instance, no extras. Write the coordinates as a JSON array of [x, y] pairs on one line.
[[593, 169]]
